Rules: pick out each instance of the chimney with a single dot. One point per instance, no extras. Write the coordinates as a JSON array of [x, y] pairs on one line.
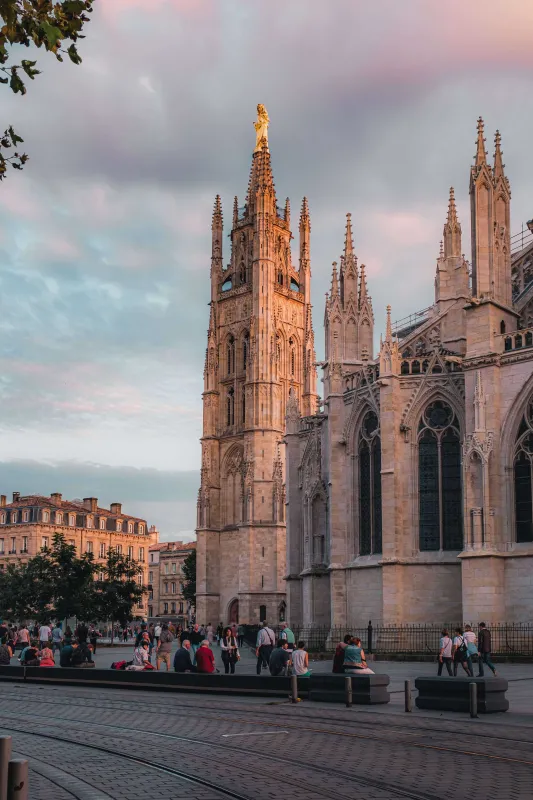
[[90, 503], [116, 508], [16, 497], [56, 498], [3, 500]]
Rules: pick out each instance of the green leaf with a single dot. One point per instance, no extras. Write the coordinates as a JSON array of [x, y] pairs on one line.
[[74, 55], [16, 84], [52, 35]]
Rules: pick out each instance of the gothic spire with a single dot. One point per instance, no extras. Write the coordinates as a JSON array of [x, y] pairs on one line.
[[348, 239], [388, 328], [334, 282], [363, 289], [235, 210], [481, 154], [304, 214], [452, 230], [498, 163], [288, 212], [216, 222]]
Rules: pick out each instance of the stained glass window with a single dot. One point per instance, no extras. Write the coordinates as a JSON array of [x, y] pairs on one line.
[[439, 479], [370, 486], [523, 478]]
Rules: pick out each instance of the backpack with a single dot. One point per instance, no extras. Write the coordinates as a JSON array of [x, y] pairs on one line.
[[121, 664]]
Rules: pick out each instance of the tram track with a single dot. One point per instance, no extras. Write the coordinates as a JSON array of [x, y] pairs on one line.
[[363, 781]]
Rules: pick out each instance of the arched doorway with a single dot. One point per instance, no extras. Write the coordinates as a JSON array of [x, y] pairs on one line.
[[233, 611]]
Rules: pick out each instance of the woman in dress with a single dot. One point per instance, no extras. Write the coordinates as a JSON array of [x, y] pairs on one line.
[[229, 651]]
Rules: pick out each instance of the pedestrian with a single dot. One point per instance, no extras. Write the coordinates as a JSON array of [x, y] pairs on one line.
[[229, 651], [164, 647], [35, 631], [210, 633], [484, 645], [205, 660], [240, 635], [57, 638], [93, 636], [195, 638], [354, 659], [445, 653], [23, 637], [125, 633], [288, 635], [460, 653], [68, 637], [5, 652], [280, 659], [338, 658], [471, 646], [82, 632], [220, 632], [266, 639], [300, 661], [45, 633], [182, 658], [234, 629], [157, 634], [3, 629]]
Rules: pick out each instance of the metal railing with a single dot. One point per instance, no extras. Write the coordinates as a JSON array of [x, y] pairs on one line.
[[406, 325], [523, 238], [512, 639]]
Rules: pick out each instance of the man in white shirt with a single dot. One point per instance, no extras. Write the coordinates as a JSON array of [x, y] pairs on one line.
[[44, 636], [266, 639], [157, 634]]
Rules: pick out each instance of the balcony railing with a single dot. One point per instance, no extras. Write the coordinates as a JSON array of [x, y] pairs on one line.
[[523, 238], [403, 327], [518, 340]]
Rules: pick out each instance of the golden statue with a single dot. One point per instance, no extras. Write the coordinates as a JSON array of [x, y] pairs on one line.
[[261, 128]]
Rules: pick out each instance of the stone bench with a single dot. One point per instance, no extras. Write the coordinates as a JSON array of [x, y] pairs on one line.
[[218, 683], [367, 690], [453, 694]]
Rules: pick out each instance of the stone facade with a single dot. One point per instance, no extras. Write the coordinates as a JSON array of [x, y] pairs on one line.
[[29, 523], [410, 495], [165, 576], [260, 347]]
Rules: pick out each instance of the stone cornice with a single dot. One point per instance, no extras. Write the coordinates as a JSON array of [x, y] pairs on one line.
[[486, 360], [514, 356]]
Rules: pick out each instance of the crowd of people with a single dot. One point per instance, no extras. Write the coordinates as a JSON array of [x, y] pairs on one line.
[[38, 644], [463, 649]]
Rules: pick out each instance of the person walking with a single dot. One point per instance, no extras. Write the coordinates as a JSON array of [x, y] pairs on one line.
[[220, 632], [93, 637], [23, 637], [484, 646], [445, 653], [57, 638], [460, 653], [229, 651], [240, 635], [164, 647], [195, 637], [471, 647], [210, 633], [157, 635], [266, 639], [354, 659], [45, 633], [300, 661]]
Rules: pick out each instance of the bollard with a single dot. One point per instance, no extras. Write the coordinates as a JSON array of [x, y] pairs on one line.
[[294, 688], [408, 697], [473, 700], [5, 755], [17, 780], [348, 686]]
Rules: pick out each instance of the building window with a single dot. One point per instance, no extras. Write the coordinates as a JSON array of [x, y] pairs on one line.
[[14, 516], [181, 607], [141, 528], [72, 542], [262, 613], [130, 527], [102, 549], [150, 577], [370, 486], [46, 516], [100, 576], [165, 608], [72, 519], [230, 356], [90, 522], [13, 544], [26, 516], [44, 541], [230, 407], [439, 469], [245, 349], [2, 546], [141, 553], [173, 587], [130, 552], [102, 523], [150, 609], [173, 608], [59, 518], [119, 525], [151, 557], [119, 549], [165, 587], [24, 544], [523, 492], [166, 569], [2, 519], [89, 547], [174, 567]]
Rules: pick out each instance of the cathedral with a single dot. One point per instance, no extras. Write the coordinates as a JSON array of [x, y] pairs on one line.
[[410, 494], [406, 495]]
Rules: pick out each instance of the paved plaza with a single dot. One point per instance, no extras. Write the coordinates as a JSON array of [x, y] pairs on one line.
[[96, 744]]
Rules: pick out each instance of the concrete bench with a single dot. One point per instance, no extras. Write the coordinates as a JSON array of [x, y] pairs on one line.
[[453, 694], [259, 685], [367, 690]]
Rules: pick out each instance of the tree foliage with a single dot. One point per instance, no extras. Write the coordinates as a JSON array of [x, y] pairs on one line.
[[56, 26], [189, 578], [57, 584], [120, 590]]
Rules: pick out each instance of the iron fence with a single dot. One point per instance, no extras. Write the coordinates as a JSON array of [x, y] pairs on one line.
[[507, 639]]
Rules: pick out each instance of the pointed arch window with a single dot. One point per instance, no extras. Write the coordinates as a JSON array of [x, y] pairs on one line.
[[242, 273], [230, 356], [245, 349], [370, 529], [523, 474], [230, 408], [439, 479], [292, 356], [243, 405]]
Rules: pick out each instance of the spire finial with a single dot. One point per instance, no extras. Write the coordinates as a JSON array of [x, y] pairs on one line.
[[217, 213], [288, 212], [348, 239], [452, 210], [334, 282], [304, 212], [235, 210], [481, 155], [388, 330], [363, 290], [498, 163], [441, 249], [451, 231]]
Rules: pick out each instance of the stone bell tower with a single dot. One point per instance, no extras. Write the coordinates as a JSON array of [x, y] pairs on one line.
[[260, 346]]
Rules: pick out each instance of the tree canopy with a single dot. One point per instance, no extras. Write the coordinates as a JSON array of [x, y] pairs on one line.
[[189, 578], [56, 26]]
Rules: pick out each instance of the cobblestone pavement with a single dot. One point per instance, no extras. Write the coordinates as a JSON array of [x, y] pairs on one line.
[[94, 744]]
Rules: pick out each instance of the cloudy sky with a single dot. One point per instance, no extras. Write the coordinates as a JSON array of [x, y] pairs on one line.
[[105, 236]]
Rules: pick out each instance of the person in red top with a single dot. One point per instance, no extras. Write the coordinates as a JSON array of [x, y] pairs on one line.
[[205, 660]]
